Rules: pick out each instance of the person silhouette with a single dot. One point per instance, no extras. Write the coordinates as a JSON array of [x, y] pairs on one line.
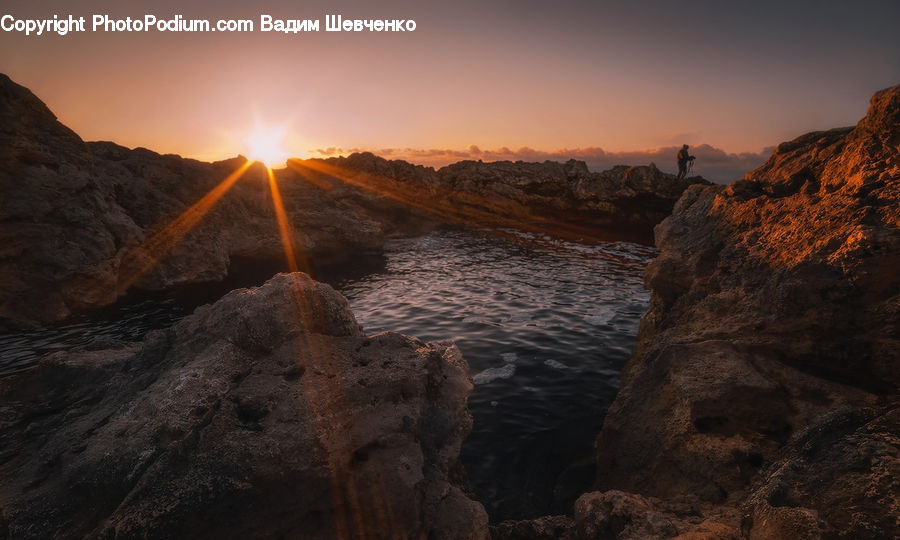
[[683, 159]]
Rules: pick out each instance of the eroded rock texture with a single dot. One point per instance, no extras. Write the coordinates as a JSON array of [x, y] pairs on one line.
[[763, 390], [269, 414], [564, 199]]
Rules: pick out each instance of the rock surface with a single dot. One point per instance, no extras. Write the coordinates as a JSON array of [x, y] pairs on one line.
[[267, 414], [83, 223], [763, 390], [564, 199], [542, 528]]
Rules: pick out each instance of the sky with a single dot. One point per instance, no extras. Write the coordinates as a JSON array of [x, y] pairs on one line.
[[598, 80]]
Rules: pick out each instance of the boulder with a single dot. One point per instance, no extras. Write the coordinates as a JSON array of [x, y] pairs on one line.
[[268, 414]]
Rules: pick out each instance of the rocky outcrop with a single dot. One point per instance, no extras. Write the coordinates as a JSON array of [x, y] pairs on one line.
[[542, 528], [84, 223], [564, 199], [762, 395], [267, 414]]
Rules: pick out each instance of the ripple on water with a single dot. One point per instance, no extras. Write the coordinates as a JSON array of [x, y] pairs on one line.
[[545, 326], [21, 350]]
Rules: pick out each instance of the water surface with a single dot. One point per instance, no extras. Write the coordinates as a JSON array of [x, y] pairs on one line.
[[545, 326]]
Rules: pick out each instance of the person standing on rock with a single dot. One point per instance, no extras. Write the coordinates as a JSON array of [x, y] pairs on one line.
[[683, 159]]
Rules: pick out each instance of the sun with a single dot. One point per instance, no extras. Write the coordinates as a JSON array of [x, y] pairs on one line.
[[266, 145]]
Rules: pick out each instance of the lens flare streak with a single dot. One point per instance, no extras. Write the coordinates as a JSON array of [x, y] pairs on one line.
[[140, 260], [455, 207], [284, 227], [330, 415]]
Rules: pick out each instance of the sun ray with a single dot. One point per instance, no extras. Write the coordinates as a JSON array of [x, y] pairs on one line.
[[137, 262], [284, 227], [467, 210], [304, 172], [323, 390]]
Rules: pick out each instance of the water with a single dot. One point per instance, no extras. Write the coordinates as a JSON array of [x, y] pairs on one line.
[[139, 312], [545, 326], [127, 322]]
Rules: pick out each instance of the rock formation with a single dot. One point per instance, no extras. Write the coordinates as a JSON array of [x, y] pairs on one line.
[[267, 414], [77, 215], [761, 399], [564, 199], [83, 223]]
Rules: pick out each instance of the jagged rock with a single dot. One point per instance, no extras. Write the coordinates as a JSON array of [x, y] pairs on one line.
[[620, 515], [839, 478], [626, 516], [561, 198], [768, 362], [267, 414]]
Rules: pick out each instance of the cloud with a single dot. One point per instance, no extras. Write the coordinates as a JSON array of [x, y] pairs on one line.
[[712, 163]]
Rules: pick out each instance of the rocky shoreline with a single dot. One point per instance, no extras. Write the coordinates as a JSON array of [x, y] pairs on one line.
[[84, 223], [761, 400], [267, 414]]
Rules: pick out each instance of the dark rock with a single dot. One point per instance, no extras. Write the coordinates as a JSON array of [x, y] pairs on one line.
[[542, 528], [620, 515], [246, 419], [767, 363], [564, 199], [839, 478]]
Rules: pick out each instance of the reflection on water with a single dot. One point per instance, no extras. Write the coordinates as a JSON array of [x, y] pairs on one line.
[[545, 326]]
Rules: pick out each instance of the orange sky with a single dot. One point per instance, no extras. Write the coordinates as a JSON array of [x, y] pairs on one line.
[[572, 74]]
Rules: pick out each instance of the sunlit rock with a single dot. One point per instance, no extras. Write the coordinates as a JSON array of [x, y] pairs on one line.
[[762, 390]]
